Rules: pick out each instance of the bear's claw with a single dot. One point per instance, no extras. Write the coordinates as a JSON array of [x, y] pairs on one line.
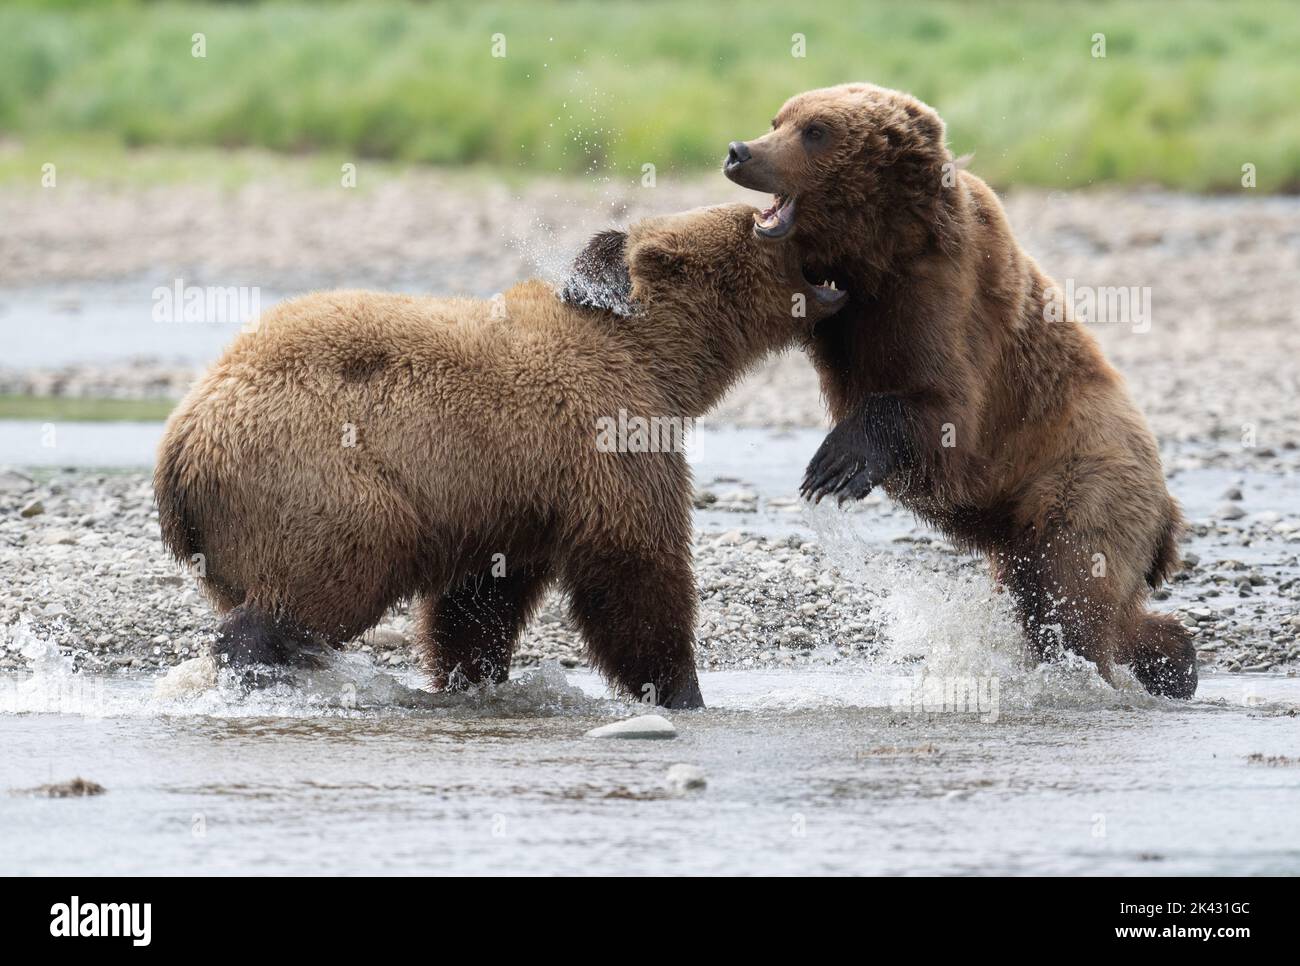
[[840, 468], [861, 452]]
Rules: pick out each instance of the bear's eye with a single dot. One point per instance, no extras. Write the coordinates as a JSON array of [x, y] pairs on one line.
[[814, 133]]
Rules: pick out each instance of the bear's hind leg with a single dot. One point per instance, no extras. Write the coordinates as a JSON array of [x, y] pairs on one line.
[[1064, 596], [468, 633], [637, 615], [258, 644], [1060, 603], [1160, 653]]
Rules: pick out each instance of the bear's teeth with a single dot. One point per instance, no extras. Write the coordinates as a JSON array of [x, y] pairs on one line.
[[833, 285]]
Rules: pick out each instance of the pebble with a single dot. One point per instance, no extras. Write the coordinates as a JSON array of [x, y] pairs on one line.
[[796, 637], [1230, 511], [33, 509], [765, 601]]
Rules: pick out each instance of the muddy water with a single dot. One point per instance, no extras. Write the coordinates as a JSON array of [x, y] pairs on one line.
[[807, 771]]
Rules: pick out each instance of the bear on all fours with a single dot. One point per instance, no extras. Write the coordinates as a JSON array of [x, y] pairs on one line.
[[361, 448]]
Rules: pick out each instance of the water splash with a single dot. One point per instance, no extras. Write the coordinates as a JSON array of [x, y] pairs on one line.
[[350, 686], [552, 230], [937, 624], [54, 686]]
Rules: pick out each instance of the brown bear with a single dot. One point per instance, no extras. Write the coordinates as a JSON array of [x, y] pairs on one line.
[[358, 448], [958, 383]]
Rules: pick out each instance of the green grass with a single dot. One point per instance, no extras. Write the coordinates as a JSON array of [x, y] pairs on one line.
[[1186, 95], [100, 157], [57, 408]]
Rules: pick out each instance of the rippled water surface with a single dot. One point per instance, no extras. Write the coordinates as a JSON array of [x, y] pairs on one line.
[[844, 769], [808, 771]]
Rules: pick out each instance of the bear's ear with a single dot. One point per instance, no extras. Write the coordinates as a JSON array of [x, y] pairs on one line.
[[653, 261], [599, 278]]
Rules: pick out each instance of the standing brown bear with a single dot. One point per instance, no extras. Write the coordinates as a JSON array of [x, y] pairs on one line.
[[358, 448], [955, 386]]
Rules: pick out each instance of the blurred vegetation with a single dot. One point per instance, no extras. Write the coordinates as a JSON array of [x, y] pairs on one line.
[[76, 408], [1186, 94]]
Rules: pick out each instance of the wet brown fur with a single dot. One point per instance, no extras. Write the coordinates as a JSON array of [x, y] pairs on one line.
[[945, 328], [475, 435]]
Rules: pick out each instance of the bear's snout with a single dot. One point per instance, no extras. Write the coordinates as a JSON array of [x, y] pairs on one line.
[[751, 165], [737, 153]]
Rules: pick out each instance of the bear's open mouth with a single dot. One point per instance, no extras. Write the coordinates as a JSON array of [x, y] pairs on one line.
[[827, 292], [777, 220]]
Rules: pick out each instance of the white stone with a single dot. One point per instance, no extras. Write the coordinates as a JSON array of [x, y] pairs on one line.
[[682, 778], [642, 726], [187, 678]]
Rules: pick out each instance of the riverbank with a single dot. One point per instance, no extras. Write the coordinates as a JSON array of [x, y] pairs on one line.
[[1208, 364], [781, 584]]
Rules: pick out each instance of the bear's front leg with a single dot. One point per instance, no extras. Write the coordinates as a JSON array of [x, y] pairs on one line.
[[861, 452], [636, 611]]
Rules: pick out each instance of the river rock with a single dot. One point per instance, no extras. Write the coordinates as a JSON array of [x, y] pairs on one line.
[[642, 726], [187, 679], [77, 788], [15, 481], [386, 638], [682, 778], [798, 637]]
